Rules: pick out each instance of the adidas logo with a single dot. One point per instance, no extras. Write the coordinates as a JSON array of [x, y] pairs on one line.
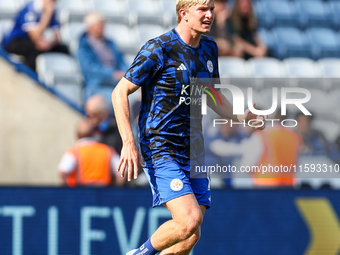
[[182, 67]]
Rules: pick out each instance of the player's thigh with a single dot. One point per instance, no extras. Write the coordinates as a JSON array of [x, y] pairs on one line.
[[185, 208]]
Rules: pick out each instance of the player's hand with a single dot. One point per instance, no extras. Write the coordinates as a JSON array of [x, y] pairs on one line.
[[42, 45], [130, 158], [258, 121]]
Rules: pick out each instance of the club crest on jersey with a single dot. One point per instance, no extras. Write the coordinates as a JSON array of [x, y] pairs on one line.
[[176, 184], [210, 66]]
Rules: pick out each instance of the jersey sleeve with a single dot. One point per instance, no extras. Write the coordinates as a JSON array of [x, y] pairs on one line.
[[28, 19], [147, 63]]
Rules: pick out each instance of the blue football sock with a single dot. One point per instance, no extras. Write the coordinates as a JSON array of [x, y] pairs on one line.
[[146, 249]]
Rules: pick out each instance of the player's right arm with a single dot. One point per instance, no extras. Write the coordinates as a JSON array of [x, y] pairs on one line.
[[130, 156]]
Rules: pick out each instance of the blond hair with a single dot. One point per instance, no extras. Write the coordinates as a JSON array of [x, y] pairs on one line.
[[185, 5]]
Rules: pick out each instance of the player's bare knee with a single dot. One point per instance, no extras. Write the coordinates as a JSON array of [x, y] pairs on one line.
[[191, 225], [195, 237]]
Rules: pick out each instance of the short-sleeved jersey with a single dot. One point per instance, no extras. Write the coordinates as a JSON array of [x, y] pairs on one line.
[[29, 16], [165, 68]]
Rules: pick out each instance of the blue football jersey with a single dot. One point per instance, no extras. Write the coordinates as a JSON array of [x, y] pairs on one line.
[[26, 18], [166, 68]]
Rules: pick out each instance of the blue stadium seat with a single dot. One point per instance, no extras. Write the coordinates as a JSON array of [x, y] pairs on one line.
[[335, 10], [262, 18], [267, 37], [323, 42], [314, 13], [281, 13], [290, 42]]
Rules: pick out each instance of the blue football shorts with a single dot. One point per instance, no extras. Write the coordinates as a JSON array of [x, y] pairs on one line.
[[170, 179]]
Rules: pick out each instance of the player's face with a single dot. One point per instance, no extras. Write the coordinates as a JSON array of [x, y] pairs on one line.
[[201, 16]]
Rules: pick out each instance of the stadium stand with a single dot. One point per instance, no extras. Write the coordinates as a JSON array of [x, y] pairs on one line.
[[281, 13], [9, 8], [323, 43], [62, 72], [314, 13], [73, 11], [289, 42], [5, 27], [232, 67]]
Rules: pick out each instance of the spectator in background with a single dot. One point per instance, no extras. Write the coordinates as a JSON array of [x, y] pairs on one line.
[[106, 129], [274, 146], [27, 36], [221, 147], [89, 163], [100, 59], [222, 31], [245, 24], [314, 141]]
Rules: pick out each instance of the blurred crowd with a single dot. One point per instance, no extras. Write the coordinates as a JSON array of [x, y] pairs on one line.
[[94, 158]]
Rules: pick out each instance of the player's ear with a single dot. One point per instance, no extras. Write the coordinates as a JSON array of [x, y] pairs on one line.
[[183, 14]]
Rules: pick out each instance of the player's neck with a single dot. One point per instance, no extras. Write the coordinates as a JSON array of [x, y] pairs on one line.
[[189, 36]]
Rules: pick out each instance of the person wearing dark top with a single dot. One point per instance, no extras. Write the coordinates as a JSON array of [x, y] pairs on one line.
[[106, 130], [244, 22], [27, 36], [222, 31]]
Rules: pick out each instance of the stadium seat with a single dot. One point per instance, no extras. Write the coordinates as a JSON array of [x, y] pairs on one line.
[[261, 15], [323, 43], [125, 37], [71, 31], [289, 42], [301, 68], [281, 13], [115, 11], [148, 31], [329, 67], [70, 87], [265, 68], [56, 63], [335, 10], [231, 67], [5, 28], [314, 13], [62, 72], [73, 11], [147, 11], [128, 58], [267, 38], [170, 16], [9, 8]]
